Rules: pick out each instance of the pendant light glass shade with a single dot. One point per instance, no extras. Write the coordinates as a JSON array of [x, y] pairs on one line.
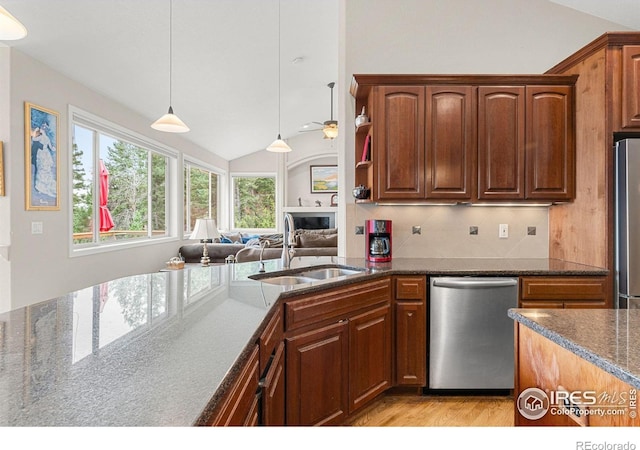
[[170, 123], [330, 129], [279, 146], [10, 28]]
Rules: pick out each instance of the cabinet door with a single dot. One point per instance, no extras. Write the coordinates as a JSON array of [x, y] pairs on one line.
[[398, 141], [450, 142], [411, 349], [550, 152], [370, 356], [273, 391], [241, 405], [501, 125], [317, 376], [631, 86]]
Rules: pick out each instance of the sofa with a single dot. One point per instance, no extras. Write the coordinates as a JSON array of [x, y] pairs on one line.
[[247, 247]]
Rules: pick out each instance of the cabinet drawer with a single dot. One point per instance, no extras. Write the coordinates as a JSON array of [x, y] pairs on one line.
[[337, 303], [410, 288], [270, 338], [562, 288]]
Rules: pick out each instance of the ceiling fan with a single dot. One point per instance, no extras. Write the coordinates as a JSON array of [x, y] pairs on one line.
[[328, 127]]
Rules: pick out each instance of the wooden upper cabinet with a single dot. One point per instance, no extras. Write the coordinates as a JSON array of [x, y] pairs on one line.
[[550, 152], [501, 142], [469, 138], [450, 142], [399, 142], [631, 86]]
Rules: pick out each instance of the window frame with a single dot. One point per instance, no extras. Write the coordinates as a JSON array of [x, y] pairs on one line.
[[232, 219], [221, 221], [99, 125]]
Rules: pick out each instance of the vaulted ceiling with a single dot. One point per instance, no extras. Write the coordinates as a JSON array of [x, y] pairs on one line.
[[227, 62]]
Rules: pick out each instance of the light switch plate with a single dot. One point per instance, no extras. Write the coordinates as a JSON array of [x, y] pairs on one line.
[[36, 227]]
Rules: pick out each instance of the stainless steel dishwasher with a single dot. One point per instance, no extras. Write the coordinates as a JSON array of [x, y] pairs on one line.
[[470, 334]]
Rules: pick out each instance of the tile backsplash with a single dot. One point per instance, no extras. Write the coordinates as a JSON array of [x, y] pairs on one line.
[[455, 231]]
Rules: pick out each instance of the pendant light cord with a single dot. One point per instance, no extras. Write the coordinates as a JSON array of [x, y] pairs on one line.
[[170, 52], [279, 82]]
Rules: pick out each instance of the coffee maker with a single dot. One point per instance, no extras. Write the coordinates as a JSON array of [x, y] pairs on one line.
[[378, 240]]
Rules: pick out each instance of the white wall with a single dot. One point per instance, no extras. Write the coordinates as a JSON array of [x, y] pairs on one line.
[[452, 36], [39, 266]]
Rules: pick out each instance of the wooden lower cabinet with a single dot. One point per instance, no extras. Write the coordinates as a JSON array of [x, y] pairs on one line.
[[410, 331], [242, 405], [543, 365], [338, 352], [273, 390], [563, 292], [369, 356], [317, 374]]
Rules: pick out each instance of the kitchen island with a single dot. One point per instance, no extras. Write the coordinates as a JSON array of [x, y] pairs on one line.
[[163, 349], [577, 366]]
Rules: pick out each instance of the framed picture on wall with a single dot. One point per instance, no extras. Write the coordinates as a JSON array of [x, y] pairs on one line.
[[324, 179], [42, 174]]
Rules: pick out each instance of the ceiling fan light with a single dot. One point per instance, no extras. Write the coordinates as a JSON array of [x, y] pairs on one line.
[[279, 146], [10, 28], [170, 123], [330, 129]]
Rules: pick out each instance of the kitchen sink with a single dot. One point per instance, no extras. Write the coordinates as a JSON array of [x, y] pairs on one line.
[[327, 273], [309, 275], [286, 280]]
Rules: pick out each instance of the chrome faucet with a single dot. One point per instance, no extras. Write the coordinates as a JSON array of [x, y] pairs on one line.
[[262, 245], [286, 240]]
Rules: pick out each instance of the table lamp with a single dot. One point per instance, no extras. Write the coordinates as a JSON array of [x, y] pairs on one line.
[[205, 229]]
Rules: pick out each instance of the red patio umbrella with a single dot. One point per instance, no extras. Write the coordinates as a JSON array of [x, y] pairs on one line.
[[106, 221]]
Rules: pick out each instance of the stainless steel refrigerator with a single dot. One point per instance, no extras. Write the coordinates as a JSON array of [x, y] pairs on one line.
[[627, 152]]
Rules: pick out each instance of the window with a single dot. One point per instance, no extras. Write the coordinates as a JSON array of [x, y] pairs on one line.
[[254, 201], [120, 185], [201, 194]]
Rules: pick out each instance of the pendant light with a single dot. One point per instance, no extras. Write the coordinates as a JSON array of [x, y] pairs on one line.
[[330, 129], [10, 28], [170, 123], [279, 146]]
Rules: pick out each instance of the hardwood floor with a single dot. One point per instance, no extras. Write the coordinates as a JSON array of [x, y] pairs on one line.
[[436, 411]]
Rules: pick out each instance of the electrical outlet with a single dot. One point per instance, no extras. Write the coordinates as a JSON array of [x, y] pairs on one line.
[[503, 231]]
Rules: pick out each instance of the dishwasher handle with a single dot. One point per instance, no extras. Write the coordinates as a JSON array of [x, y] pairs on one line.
[[474, 283]]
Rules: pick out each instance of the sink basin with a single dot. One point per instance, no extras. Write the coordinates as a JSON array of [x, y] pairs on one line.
[[332, 272], [287, 280], [307, 276]]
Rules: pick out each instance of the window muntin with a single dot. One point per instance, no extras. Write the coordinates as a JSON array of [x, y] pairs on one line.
[[201, 194], [138, 185]]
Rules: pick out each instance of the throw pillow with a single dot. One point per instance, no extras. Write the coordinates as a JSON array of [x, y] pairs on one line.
[[235, 238], [318, 240], [246, 238]]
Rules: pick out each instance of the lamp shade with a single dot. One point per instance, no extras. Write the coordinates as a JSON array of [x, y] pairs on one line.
[[205, 229], [279, 146], [10, 28], [330, 129], [170, 123]]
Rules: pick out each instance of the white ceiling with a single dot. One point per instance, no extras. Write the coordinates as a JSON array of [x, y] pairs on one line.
[[225, 59]]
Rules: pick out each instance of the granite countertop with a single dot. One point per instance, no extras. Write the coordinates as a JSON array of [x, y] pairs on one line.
[[159, 349], [608, 338]]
